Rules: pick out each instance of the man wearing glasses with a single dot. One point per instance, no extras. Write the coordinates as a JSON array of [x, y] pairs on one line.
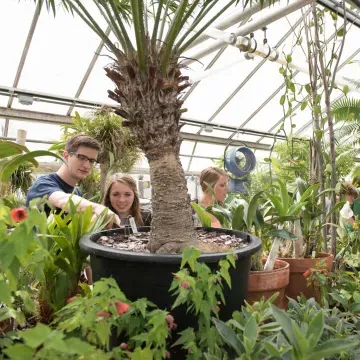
[[80, 153]]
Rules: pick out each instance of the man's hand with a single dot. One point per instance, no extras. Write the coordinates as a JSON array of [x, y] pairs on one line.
[[110, 215]]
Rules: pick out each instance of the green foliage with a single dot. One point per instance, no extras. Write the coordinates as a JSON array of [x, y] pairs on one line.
[[41, 258], [15, 163], [90, 186], [119, 149]]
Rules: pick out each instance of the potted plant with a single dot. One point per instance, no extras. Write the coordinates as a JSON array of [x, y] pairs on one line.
[[246, 216], [307, 250], [148, 87]]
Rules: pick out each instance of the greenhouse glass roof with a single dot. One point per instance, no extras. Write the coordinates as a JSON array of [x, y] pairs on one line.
[[52, 67]]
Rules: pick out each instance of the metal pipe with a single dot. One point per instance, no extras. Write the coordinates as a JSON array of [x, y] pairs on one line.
[[250, 46], [246, 29], [232, 19]]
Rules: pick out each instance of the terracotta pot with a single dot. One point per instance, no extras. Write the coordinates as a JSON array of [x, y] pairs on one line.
[[298, 283], [267, 283]]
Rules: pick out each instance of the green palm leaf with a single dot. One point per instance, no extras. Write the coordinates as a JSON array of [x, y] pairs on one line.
[[346, 109]]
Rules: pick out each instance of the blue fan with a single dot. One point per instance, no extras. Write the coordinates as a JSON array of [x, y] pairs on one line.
[[239, 162]]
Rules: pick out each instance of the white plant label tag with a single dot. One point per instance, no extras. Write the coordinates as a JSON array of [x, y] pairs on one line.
[[313, 254], [133, 225]]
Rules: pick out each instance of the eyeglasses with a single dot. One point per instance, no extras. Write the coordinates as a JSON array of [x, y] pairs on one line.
[[84, 158]]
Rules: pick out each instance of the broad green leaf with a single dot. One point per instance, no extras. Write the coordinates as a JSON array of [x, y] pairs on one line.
[[229, 336], [285, 322], [19, 352], [250, 330], [276, 204], [296, 208], [9, 148], [309, 191], [189, 256], [315, 329], [285, 198], [186, 336], [238, 219], [34, 337], [202, 215], [142, 354], [76, 346], [14, 163], [332, 347], [253, 204], [340, 299]]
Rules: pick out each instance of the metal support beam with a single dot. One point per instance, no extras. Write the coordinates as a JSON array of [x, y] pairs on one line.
[[221, 141], [273, 16], [337, 7], [27, 115], [89, 70], [56, 99]]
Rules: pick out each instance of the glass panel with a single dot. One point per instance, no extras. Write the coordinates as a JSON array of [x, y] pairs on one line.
[[60, 53], [184, 162], [210, 150], [13, 35], [38, 146], [186, 147], [198, 165], [36, 130], [3, 100]]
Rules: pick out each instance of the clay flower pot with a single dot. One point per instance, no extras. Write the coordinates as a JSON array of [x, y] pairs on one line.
[[267, 283], [298, 283]]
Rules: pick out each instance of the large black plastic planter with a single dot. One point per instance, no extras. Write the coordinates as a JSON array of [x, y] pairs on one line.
[[150, 275]]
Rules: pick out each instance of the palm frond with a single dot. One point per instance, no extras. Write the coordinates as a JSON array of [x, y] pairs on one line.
[[346, 130], [346, 109]]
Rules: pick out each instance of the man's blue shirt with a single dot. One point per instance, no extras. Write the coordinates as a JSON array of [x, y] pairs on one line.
[[46, 185]]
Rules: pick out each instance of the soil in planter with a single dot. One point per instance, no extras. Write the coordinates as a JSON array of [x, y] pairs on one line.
[[207, 242]]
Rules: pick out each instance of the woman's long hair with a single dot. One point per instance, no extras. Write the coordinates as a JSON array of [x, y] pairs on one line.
[[135, 207]]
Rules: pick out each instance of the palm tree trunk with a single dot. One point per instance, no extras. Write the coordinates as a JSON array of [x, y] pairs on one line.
[[172, 227]]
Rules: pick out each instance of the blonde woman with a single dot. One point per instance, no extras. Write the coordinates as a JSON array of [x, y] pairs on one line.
[[214, 184], [122, 198]]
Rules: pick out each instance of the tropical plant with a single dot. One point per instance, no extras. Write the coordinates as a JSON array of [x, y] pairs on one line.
[[41, 256], [246, 216], [262, 331], [90, 186], [119, 151], [13, 159], [149, 84]]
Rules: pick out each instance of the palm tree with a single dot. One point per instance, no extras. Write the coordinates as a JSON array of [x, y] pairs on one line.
[[148, 86], [346, 112]]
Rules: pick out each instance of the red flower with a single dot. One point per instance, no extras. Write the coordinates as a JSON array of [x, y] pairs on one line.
[[169, 318], [121, 307], [306, 273], [18, 214], [103, 314], [185, 284]]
